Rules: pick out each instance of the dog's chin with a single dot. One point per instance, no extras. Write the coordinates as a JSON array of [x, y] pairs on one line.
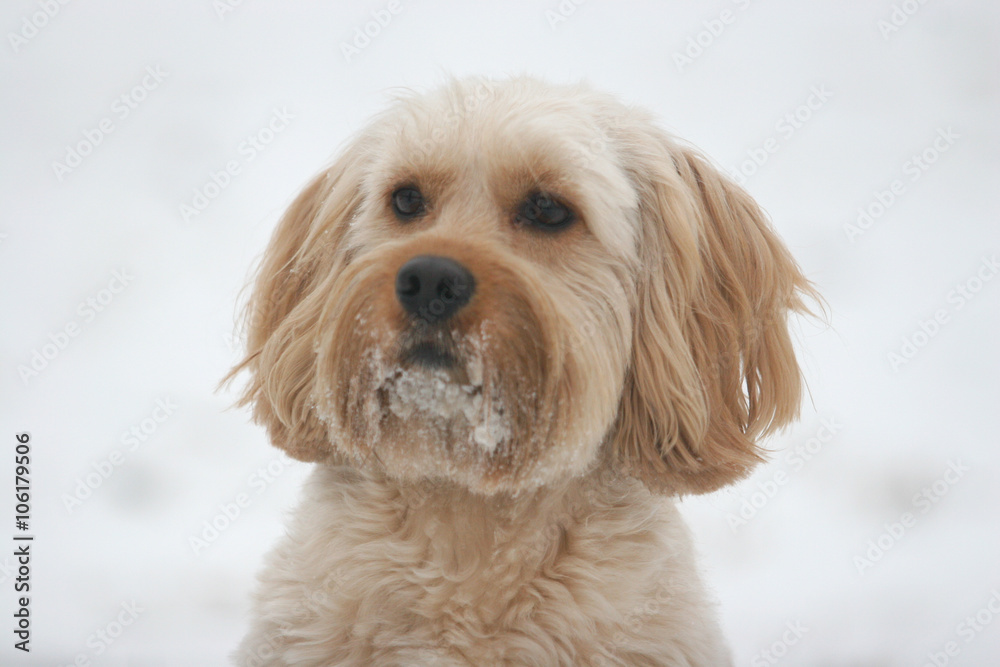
[[426, 405], [439, 398], [445, 408]]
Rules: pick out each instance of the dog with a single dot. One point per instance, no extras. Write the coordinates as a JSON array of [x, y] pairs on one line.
[[511, 324]]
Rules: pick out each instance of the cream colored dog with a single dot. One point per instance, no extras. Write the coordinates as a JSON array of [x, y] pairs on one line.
[[509, 324]]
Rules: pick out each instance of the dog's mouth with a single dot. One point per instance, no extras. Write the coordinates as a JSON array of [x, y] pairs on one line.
[[429, 354], [434, 348], [440, 385]]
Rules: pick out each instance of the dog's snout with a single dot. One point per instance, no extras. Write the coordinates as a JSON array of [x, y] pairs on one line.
[[433, 288]]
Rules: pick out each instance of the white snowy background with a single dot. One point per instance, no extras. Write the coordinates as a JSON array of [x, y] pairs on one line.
[[840, 546]]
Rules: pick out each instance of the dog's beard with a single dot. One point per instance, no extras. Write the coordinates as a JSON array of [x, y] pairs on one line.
[[437, 386], [471, 400], [466, 421], [505, 395]]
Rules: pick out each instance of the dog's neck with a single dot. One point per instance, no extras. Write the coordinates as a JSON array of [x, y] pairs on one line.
[[465, 535], [490, 525]]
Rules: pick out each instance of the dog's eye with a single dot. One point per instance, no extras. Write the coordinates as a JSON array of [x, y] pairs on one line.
[[544, 212], [407, 202]]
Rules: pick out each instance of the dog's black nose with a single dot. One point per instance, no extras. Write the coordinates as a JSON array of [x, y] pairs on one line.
[[433, 288]]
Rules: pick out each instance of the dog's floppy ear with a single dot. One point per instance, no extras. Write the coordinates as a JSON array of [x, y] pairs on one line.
[[713, 369], [282, 315]]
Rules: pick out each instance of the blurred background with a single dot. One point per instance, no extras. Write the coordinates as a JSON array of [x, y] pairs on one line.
[[148, 150]]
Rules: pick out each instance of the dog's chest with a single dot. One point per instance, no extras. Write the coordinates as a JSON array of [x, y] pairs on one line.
[[471, 594], [369, 576], [398, 581]]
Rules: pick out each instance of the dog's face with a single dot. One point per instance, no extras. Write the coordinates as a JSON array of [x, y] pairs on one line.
[[503, 284]]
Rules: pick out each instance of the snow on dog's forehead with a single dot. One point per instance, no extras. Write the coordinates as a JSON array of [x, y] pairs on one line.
[[522, 134]]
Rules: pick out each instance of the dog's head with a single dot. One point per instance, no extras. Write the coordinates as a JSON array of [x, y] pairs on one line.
[[505, 283]]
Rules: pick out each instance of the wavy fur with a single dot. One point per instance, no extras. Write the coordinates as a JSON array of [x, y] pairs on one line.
[[526, 518]]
